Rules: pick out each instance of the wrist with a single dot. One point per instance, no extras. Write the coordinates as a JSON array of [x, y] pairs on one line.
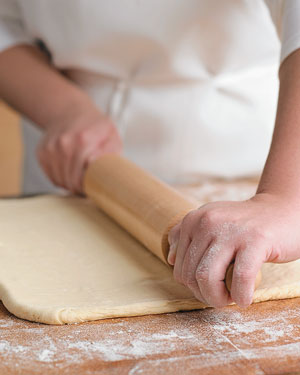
[[76, 110], [279, 199], [284, 191]]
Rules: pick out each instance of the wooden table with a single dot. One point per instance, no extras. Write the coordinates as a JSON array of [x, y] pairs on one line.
[[263, 339]]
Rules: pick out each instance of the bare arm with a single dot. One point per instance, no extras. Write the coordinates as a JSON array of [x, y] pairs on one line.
[[282, 171], [262, 229], [76, 132], [31, 85]]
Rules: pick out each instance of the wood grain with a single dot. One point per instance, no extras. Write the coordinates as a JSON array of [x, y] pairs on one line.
[[261, 340], [145, 206]]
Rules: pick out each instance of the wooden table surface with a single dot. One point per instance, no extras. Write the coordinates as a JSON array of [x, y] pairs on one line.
[[263, 339]]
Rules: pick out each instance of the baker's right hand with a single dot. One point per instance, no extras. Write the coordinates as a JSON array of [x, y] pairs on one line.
[[68, 147]]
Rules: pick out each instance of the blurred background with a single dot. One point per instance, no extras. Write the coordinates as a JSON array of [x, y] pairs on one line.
[[11, 152]]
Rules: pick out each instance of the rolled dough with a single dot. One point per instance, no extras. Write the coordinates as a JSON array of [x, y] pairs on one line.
[[64, 261]]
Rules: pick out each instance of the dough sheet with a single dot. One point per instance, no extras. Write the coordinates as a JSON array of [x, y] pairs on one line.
[[64, 261]]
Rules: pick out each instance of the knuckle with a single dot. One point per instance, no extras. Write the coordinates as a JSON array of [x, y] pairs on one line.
[[64, 142], [189, 218], [83, 137], [202, 274], [258, 232], [262, 234], [244, 276], [210, 217]]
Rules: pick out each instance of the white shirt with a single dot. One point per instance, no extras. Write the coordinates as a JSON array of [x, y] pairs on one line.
[[191, 85], [286, 17]]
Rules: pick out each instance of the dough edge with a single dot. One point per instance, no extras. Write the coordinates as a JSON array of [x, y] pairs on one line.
[[62, 316]]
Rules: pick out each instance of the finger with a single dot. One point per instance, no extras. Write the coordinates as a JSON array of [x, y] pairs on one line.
[[44, 161], [75, 150], [66, 173], [192, 259], [197, 293], [174, 233], [246, 266], [66, 148], [77, 168], [173, 239], [112, 144], [54, 159], [172, 253], [56, 174], [183, 243], [210, 274], [80, 161], [108, 146]]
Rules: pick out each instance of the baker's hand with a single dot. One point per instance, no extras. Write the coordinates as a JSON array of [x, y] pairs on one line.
[[68, 147], [262, 229]]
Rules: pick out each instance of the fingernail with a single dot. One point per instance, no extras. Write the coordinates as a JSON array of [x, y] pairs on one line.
[[172, 253]]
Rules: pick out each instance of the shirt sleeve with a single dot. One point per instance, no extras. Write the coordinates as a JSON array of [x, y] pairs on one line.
[[290, 33], [12, 30], [286, 17]]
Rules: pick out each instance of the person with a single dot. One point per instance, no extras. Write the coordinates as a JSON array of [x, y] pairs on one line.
[[185, 89]]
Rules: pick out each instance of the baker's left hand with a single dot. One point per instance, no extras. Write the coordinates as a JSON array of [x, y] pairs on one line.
[[262, 229]]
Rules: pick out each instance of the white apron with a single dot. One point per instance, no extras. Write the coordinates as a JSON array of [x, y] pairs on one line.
[[191, 85]]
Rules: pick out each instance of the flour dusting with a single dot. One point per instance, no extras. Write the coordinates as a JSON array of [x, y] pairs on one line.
[[46, 355], [207, 339]]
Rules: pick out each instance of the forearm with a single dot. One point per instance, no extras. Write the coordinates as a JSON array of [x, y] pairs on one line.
[[281, 174], [31, 85]]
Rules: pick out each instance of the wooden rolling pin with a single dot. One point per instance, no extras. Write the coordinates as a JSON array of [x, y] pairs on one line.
[[229, 275], [146, 207]]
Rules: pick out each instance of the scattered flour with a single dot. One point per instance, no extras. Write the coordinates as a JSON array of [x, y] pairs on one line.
[[8, 348], [207, 338], [46, 355], [156, 344], [220, 190]]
